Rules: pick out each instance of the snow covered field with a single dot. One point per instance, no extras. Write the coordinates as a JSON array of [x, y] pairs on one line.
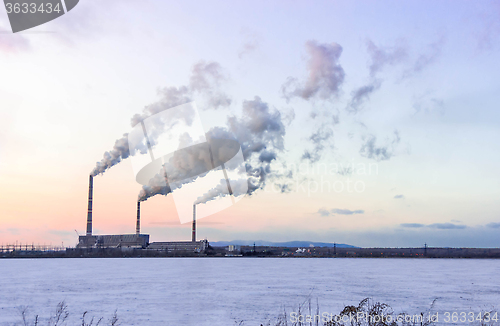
[[222, 291]]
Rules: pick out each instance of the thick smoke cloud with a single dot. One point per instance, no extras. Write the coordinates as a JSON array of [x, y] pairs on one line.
[[370, 150], [110, 158], [260, 132], [325, 74], [238, 187], [158, 185], [187, 167], [205, 81]]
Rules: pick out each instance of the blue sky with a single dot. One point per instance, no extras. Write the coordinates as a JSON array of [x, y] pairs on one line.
[[429, 119]]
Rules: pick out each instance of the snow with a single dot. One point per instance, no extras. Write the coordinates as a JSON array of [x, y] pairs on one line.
[[222, 291]]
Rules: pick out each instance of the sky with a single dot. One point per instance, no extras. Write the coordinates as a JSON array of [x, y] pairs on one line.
[[381, 117]]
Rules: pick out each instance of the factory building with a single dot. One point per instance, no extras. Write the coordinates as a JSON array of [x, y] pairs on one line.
[[184, 246], [137, 240]]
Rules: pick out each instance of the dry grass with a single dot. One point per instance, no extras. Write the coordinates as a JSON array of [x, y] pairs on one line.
[[60, 315], [370, 313]]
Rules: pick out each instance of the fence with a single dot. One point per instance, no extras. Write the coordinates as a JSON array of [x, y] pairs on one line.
[[30, 247]]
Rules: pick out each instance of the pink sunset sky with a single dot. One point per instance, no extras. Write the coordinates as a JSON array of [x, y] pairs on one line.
[[398, 98]]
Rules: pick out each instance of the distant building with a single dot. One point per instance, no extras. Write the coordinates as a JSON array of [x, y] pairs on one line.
[[137, 241], [179, 246]]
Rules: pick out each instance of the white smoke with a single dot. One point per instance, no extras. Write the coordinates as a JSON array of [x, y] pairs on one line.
[[325, 74], [238, 188], [205, 81], [260, 133]]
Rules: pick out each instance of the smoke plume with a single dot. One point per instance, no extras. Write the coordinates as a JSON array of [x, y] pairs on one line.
[[260, 133], [325, 74], [380, 57], [370, 150], [204, 81]]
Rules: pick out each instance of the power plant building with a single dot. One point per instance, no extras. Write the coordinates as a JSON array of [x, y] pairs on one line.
[[137, 240]]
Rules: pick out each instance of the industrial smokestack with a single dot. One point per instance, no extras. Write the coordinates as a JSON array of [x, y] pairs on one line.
[[194, 223], [138, 227], [89, 212]]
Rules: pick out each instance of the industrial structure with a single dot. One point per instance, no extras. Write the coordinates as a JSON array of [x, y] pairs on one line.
[[193, 237], [137, 240]]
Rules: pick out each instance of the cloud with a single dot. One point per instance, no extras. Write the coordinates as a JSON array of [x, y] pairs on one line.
[[369, 148], [325, 212], [426, 59], [381, 57], [205, 79], [446, 226], [412, 225], [399, 197], [324, 80], [12, 43], [493, 225], [362, 94], [346, 211], [318, 138], [439, 226], [325, 74]]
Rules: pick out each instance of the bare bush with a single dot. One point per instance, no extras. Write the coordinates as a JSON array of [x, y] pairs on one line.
[[60, 316]]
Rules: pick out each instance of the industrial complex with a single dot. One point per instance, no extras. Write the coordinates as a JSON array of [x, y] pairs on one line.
[[127, 242], [138, 245]]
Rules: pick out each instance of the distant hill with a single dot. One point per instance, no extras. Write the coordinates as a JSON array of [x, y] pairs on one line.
[[278, 244]]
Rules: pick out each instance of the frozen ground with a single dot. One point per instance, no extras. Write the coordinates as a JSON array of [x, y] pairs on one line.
[[222, 291]]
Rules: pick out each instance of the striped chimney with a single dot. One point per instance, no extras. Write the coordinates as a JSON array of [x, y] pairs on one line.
[[194, 224], [138, 227], [89, 212]]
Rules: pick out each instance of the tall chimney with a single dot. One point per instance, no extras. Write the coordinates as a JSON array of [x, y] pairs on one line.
[[138, 227], [89, 212], [194, 223]]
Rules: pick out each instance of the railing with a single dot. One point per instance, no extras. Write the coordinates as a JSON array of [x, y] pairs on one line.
[[30, 247]]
